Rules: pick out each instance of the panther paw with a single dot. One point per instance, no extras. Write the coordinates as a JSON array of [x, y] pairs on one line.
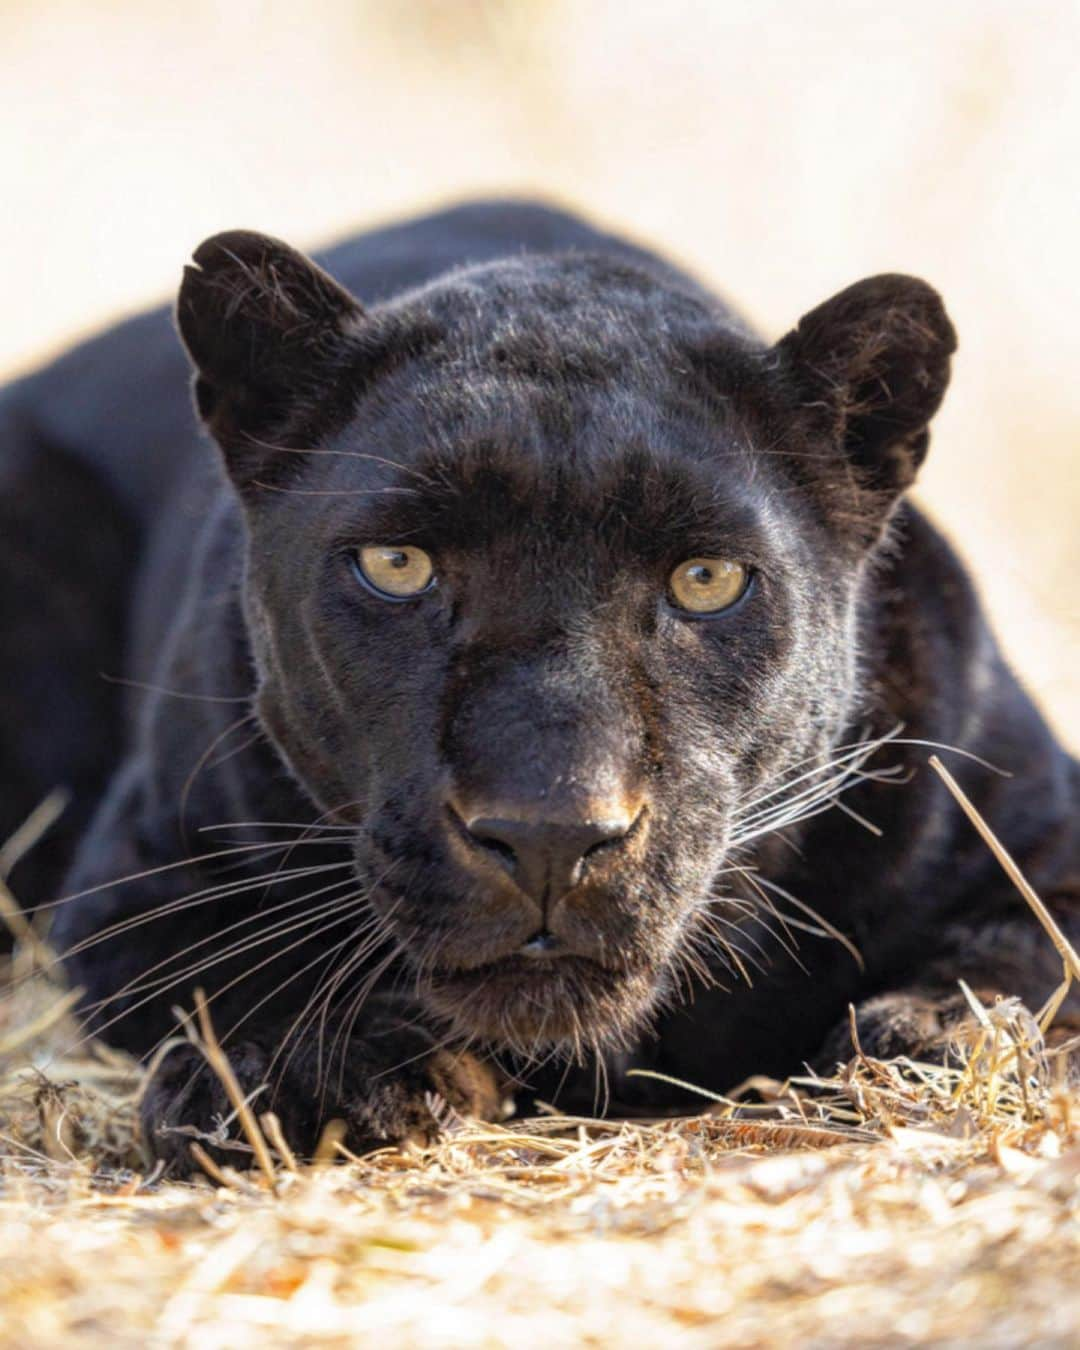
[[397, 1089], [910, 1024]]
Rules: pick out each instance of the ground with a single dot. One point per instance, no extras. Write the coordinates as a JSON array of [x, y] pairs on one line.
[[893, 1205]]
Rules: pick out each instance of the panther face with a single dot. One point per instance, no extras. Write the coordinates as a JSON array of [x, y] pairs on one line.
[[553, 574]]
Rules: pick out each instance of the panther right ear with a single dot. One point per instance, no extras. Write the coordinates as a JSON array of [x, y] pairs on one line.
[[873, 364], [268, 333]]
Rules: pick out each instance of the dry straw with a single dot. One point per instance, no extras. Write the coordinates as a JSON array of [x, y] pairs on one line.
[[893, 1203]]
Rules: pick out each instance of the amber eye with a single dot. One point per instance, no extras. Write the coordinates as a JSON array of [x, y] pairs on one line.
[[395, 571], [708, 585]]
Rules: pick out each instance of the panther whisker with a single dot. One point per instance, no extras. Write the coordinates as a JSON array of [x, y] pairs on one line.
[[203, 761], [785, 940], [842, 754], [308, 452], [334, 492], [164, 986], [601, 1099], [787, 815], [748, 826], [533, 1060], [829, 929], [854, 815], [292, 1034], [360, 997], [322, 956], [303, 826], [258, 917], [346, 904], [188, 695], [758, 957], [278, 988], [190, 861], [840, 767], [350, 1016], [378, 936], [304, 839], [823, 796], [237, 949], [702, 934], [682, 968], [351, 937], [226, 891], [222, 891]]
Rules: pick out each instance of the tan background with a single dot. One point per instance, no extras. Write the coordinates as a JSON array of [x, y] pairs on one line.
[[781, 148]]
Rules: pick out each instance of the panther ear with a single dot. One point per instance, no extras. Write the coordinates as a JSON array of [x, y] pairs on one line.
[[267, 332], [874, 362]]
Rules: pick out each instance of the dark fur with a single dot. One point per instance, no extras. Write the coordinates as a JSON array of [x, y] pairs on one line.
[[559, 423]]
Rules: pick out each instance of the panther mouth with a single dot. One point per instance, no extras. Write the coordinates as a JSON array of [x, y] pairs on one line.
[[545, 967], [533, 957], [504, 976], [534, 1003]]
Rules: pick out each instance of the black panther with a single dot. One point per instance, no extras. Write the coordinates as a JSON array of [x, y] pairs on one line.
[[532, 680]]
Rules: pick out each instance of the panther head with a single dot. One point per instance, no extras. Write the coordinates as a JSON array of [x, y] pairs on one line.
[[552, 569]]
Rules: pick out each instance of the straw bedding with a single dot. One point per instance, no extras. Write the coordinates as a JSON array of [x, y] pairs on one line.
[[893, 1204]]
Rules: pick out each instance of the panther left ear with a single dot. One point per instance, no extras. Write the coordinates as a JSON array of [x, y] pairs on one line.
[[874, 361], [267, 331]]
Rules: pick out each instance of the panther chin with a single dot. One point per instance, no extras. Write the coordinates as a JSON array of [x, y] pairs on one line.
[[534, 1004]]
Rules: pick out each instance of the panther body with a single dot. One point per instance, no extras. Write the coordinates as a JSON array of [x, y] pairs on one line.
[[531, 802]]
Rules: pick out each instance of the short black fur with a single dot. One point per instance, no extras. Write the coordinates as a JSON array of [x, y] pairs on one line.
[[335, 813]]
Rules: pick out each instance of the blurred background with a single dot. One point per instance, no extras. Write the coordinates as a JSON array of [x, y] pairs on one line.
[[780, 149]]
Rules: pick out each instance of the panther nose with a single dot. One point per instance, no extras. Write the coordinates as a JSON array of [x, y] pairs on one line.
[[547, 857]]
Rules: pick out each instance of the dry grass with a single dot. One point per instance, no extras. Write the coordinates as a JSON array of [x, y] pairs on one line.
[[896, 1203], [893, 1204], [902, 1204]]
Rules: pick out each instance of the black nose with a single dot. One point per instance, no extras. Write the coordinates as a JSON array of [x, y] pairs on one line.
[[546, 857]]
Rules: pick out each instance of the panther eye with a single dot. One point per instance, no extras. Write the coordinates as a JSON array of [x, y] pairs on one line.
[[394, 571], [708, 585]]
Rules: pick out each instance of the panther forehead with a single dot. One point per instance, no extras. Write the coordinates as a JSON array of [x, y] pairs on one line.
[[644, 495], [464, 447], [568, 294], [568, 326]]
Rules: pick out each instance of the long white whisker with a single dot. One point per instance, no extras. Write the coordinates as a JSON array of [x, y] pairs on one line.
[[226, 891], [305, 827], [345, 1030], [829, 929], [263, 847], [257, 917], [284, 984], [842, 754], [349, 901], [221, 891], [847, 768], [277, 930]]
